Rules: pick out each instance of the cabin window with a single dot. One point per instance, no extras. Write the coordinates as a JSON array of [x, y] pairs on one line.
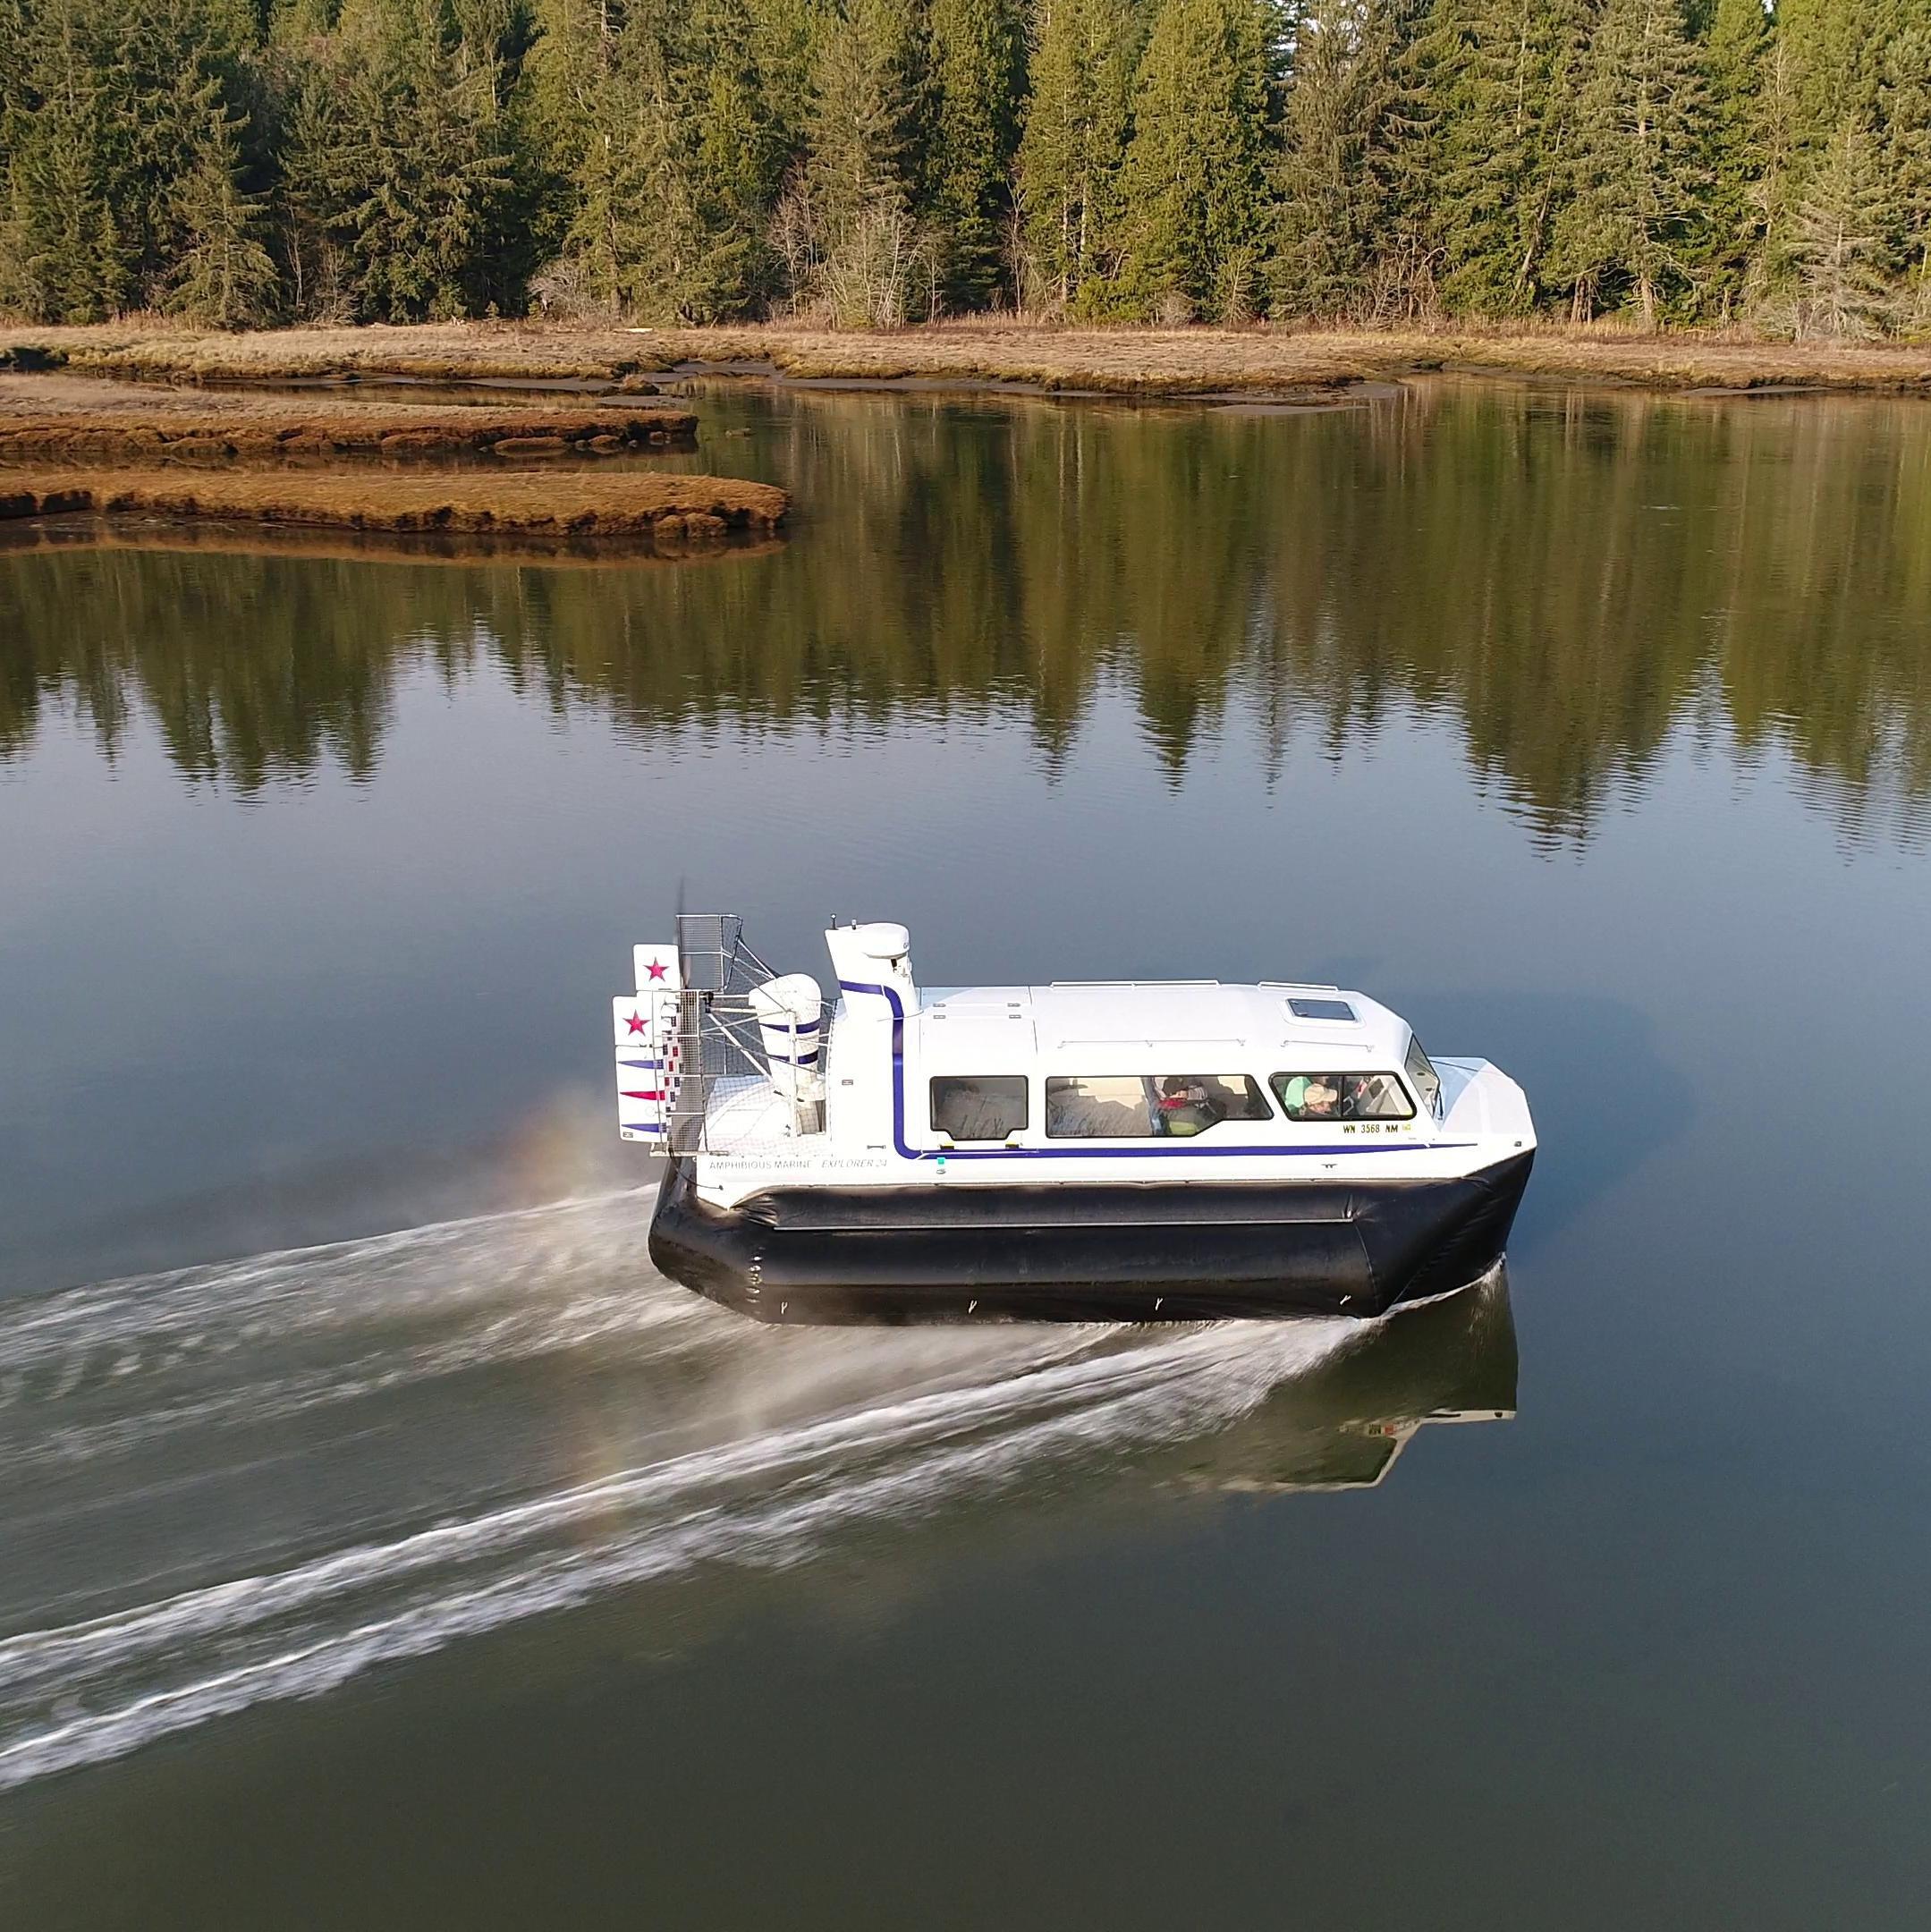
[[1428, 1081], [1143, 1106], [979, 1106], [1342, 1097]]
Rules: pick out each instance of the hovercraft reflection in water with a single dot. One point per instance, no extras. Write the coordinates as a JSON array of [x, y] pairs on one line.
[[1344, 1423], [1122, 1151]]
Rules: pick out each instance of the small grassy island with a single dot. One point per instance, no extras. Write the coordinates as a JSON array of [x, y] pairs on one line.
[[78, 445], [671, 511]]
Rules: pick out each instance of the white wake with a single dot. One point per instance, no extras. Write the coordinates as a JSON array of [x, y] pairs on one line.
[[135, 1414]]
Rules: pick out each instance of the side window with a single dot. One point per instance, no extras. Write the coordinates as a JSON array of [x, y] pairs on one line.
[[1342, 1097], [1140, 1107], [1428, 1081], [981, 1107]]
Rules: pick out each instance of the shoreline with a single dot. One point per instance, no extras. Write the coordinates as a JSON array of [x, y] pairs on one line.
[[669, 513], [102, 422], [1120, 363]]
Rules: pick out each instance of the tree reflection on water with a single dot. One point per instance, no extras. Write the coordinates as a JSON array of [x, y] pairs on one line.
[[1571, 580]]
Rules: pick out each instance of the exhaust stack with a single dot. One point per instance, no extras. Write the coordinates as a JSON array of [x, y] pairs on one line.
[[874, 957]]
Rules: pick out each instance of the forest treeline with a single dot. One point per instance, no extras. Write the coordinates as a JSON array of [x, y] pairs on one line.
[[871, 162]]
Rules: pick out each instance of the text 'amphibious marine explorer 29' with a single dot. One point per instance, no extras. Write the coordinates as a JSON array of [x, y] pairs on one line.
[[1111, 1151]]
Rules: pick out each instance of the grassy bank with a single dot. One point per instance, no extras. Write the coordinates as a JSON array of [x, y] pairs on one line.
[[1118, 362], [670, 512], [65, 417]]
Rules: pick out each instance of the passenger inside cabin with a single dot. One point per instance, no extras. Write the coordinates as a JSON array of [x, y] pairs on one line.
[[1186, 1106], [1133, 1106], [1310, 1097], [1343, 1096]]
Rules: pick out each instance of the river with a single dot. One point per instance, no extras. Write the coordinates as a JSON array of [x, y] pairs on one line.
[[382, 1544]]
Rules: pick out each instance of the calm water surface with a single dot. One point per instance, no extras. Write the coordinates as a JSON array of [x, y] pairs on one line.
[[381, 1544]]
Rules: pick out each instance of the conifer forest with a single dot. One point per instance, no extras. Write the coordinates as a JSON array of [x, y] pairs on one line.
[[869, 163]]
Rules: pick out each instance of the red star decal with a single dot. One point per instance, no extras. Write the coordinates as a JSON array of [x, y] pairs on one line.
[[656, 968], [637, 1023]]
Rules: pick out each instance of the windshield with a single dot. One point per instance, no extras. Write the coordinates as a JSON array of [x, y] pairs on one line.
[[1428, 1081]]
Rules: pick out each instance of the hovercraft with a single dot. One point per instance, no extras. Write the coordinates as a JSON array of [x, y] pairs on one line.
[[1128, 1151]]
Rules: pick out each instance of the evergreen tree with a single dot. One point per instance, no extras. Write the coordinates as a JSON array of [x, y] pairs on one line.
[[978, 76], [867, 108], [64, 260], [106, 112], [1742, 160], [864, 252], [660, 155], [1780, 163], [1838, 246], [401, 144], [739, 154], [1836, 50], [15, 118], [1904, 105], [14, 28], [674, 167], [307, 70], [16, 48], [1411, 157], [656, 232], [566, 77], [561, 104], [572, 103], [1085, 53], [784, 38], [1824, 271], [1194, 201], [223, 274], [1630, 222], [1507, 70], [174, 67], [1344, 242]]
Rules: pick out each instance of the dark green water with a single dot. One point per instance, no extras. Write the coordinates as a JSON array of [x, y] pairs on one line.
[[381, 1544]]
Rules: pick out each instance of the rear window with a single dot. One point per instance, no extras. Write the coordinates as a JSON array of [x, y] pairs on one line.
[[1342, 1097], [1145, 1106], [981, 1107]]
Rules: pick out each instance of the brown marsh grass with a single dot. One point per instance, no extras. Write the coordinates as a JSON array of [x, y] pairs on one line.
[[68, 418], [669, 512], [1123, 361]]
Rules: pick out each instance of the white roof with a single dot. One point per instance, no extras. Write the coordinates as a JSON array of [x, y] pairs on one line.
[[1201, 1013]]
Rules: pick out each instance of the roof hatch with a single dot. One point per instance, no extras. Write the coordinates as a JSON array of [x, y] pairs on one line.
[[1321, 1009]]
